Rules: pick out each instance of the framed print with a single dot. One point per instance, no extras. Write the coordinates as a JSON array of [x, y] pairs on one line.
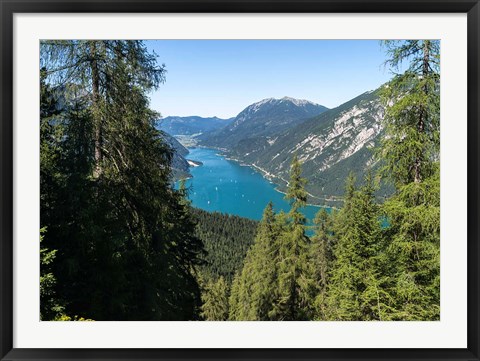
[[239, 180]]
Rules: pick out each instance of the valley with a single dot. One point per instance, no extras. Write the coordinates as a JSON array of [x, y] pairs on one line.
[[330, 143], [271, 210], [225, 186]]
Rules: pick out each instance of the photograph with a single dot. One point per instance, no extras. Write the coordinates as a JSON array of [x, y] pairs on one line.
[[239, 180]]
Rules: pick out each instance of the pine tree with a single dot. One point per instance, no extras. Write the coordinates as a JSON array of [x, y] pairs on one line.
[[292, 299], [88, 64], [106, 187], [254, 288], [320, 260], [226, 239], [356, 270], [242, 306], [234, 299], [412, 117], [50, 306], [411, 154], [215, 301], [414, 250]]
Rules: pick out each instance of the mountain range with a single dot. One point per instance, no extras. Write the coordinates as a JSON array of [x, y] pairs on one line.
[[330, 143], [329, 146], [262, 119], [192, 125]]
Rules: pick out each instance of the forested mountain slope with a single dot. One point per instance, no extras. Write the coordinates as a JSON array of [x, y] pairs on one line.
[[180, 166], [226, 239]]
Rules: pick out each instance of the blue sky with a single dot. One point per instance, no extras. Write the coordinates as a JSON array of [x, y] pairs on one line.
[[222, 77]]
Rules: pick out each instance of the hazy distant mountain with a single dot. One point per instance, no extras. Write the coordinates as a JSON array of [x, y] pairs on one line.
[[329, 145], [265, 118], [191, 125]]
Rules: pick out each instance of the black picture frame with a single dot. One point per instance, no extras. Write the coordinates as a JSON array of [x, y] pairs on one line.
[[10, 7]]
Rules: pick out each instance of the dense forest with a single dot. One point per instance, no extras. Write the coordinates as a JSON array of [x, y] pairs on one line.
[[226, 239], [119, 242]]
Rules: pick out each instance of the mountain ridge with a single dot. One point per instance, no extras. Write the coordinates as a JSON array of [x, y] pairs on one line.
[[266, 117], [191, 125], [266, 134], [180, 165], [329, 145]]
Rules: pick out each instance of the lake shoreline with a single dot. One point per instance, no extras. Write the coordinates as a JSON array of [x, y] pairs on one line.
[[267, 176]]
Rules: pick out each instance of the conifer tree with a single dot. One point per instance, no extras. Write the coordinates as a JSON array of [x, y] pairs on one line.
[[234, 299], [106, 188], [242, 304], [226, 240], [412, 117], [356, 270], [293, 301], [254, 289], [414, 250], [264, 267], [50, 305], [215, 301], [320, 260], [87, 64], [411, 154]]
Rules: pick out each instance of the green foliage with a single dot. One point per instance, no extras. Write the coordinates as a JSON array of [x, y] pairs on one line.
[[50, 306], [273, 284], [354, 291], [293, 301], [412, 117], [414, 249], [234, 305], [366, 261], [215, 301], [254, 289], [125, 242], [226, 239], [320, 260], [411, 154], [69, 318]]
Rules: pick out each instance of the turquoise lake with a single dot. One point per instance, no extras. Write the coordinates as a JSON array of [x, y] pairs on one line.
[[226, 186]]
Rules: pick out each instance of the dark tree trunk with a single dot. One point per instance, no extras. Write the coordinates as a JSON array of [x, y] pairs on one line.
[[423, 110], [96, 106]]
